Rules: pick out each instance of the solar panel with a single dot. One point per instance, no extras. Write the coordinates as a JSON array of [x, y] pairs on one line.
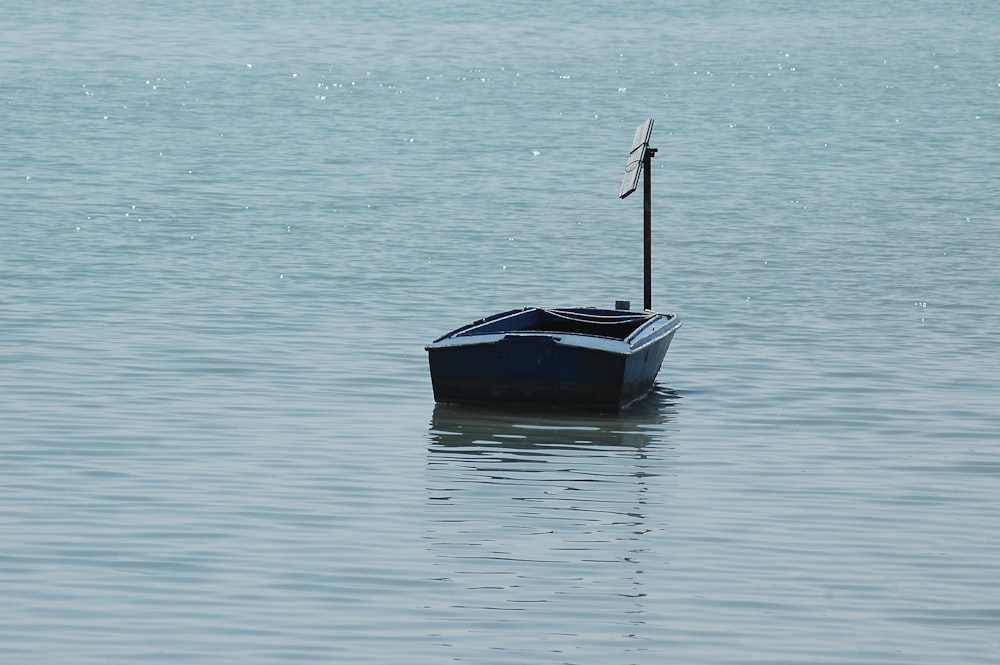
[[633, 167]]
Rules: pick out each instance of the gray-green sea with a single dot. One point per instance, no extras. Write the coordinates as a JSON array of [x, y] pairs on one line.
[[228, 229]]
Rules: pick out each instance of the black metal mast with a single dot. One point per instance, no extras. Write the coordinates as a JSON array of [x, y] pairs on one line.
[[647, 227]]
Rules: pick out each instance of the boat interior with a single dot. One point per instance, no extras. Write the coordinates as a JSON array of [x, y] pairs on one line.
[[607, 323], [616, 324]]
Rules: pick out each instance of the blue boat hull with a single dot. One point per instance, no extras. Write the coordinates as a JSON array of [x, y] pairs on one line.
[[589, 358]]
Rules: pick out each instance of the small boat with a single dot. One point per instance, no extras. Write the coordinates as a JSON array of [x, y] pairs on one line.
[[577, 356], [569, 356]]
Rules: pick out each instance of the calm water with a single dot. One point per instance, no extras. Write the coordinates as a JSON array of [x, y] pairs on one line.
[[226, 234]]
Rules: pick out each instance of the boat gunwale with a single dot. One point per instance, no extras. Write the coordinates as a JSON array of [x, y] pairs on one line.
[[654, 327]]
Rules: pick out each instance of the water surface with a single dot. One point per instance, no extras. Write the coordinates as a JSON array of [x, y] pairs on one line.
[[228, 231]]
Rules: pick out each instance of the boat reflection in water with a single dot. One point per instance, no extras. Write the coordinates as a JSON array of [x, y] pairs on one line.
[[538, 516], [480, 429]]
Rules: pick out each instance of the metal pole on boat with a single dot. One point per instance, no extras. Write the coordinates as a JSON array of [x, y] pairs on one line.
[[639, 159], [647, 222]]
